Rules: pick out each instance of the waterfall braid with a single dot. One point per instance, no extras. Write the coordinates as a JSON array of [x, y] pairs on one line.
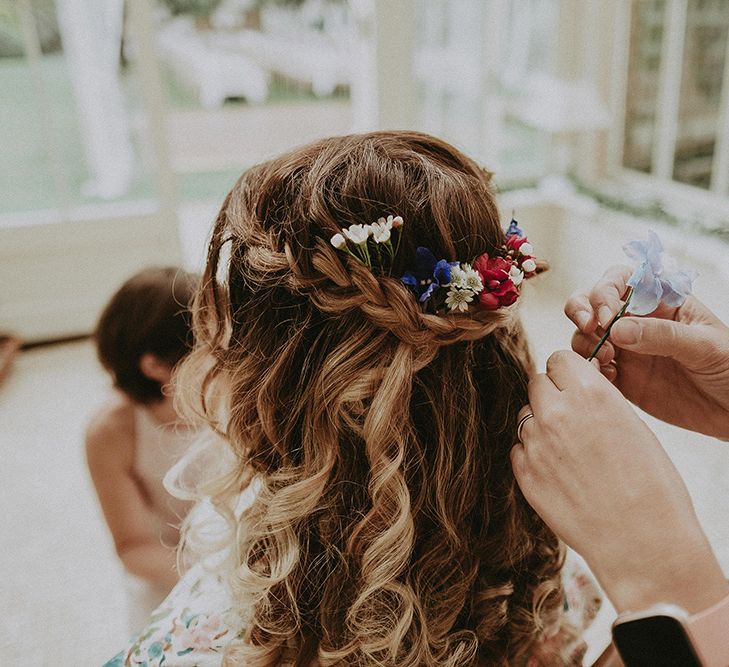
[[388, 528]]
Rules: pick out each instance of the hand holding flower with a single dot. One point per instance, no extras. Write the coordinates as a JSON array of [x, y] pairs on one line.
[[673, 363], [655, 280]]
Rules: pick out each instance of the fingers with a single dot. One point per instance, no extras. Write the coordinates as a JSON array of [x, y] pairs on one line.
[[567, 369], [605, 297], [579, 309], [610, 372], [584, 344], [665, 338], [542, 394], [588, 310]]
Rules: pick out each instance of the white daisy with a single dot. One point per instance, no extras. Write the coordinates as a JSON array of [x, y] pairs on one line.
[[516, 275], [472, 280], [357, 234], [338, 241], [458, 299], [458, 277], [397, 221]]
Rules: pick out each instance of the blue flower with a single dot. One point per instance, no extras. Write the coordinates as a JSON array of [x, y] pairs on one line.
[[514, 229], [429, 274], [656, 278]]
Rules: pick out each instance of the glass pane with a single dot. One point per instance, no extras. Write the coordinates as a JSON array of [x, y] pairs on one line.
[[72, 126], [244, 81], [474, 110], [707, 28], [646, 40], [25, 173]]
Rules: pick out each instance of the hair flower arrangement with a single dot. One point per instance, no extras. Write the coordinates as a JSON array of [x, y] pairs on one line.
[[487, 283], [656, 279], [371, 244]]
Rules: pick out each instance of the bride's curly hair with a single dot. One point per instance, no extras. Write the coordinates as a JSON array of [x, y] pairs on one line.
[[387, 527]]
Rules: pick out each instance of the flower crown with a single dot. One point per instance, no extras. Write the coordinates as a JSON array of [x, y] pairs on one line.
[[486, 283]]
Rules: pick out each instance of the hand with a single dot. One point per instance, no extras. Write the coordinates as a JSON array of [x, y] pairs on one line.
[[596, 474], [674, 364]]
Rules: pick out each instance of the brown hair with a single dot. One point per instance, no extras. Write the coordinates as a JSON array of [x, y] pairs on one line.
[[387, 527], [150, 312]]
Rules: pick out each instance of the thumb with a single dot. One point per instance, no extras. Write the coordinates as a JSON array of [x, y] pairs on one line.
[[663, 338]]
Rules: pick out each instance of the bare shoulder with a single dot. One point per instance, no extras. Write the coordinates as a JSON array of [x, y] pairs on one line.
[[110, 434]]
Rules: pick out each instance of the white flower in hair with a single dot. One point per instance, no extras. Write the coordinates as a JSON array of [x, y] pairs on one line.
[[357, 234], [338, 241], [380, 231], [391, 222], [458, 299], [526, 249], [458, 277], [529, 266], [472, 280], [516, 275], [464, 277]]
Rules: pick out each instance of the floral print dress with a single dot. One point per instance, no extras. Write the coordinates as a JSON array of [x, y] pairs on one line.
[[195, 623]]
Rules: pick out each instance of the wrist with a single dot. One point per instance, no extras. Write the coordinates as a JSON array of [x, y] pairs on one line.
[[688, 576]]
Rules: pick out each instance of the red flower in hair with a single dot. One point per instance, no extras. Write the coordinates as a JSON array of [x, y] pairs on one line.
[[514, 242], [498, 288]]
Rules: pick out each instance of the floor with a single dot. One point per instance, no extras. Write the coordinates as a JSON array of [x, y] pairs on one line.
[[59, 580]]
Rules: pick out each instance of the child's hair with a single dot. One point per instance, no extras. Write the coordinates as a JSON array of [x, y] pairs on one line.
[[150, 312], [387, 526]]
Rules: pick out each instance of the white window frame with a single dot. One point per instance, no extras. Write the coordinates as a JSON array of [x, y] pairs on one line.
[[58, 266], [659, 184]]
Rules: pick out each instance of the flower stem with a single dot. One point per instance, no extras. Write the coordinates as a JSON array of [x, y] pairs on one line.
[[366, 253], [618, 315], [397, 245]]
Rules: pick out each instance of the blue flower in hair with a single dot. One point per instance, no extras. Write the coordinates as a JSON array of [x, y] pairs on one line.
[[514, 229], [429, 274], [656, 278]]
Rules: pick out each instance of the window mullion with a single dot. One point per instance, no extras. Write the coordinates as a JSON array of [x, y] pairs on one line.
[[720, 162], [669, 89], [619, 85], [496, 21]]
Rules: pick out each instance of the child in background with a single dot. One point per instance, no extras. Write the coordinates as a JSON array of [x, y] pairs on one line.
[[143, 332]]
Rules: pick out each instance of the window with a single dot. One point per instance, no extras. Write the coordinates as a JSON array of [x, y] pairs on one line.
[[677, 93]]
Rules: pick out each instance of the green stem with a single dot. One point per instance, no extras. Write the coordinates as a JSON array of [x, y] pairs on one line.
[[366, 253], [618, 315], [397, 245], [357, 253], [351, 254], [391, 256]]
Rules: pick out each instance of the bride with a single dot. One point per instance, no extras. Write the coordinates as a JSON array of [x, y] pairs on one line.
[[359, 349]]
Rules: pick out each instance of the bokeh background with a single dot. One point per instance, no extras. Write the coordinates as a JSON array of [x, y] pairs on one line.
[[123, 123]]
